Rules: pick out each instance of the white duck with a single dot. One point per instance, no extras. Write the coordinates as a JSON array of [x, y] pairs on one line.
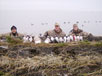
[[52, 39], [81, 38], [65, 39], [25, 39], [57, 39], [61, 40], [68, 39], [47, 40], [30, 39], [78, 38], [75, 38], [37, 40], [71, 38]]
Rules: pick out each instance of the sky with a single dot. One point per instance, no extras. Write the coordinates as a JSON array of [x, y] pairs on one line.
[[38, 16], [80, 5]]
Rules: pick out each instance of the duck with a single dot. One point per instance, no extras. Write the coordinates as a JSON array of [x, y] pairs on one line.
[[68, 39], [47, 40], [30, 39], [56, 39], [65, 39], [61, 40], [71, 38], [37, 40], [78, 38], [81, 38], [52, 39], [75, 38], [26, 38]]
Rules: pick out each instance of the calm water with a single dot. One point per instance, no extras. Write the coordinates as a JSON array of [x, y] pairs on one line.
[[35, 22]]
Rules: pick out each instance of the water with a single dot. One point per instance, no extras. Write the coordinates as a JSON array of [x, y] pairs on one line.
[[35, 22]]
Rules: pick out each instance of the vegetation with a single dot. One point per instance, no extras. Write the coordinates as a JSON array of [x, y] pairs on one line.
[[12, 40], [64, 59]]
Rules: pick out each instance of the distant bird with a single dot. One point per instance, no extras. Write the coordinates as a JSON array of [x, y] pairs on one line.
[[64, 22], [85, 22], [82, 25], [40, 35], [42, 23], [32, 24], [68, 22], [99, 21], [46, 23], [77, 22], [96, 21]]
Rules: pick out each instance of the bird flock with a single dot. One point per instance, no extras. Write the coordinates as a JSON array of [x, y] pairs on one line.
[[50, 39]]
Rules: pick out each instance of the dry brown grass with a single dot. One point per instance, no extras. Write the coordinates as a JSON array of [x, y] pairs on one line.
[[86, 63]]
